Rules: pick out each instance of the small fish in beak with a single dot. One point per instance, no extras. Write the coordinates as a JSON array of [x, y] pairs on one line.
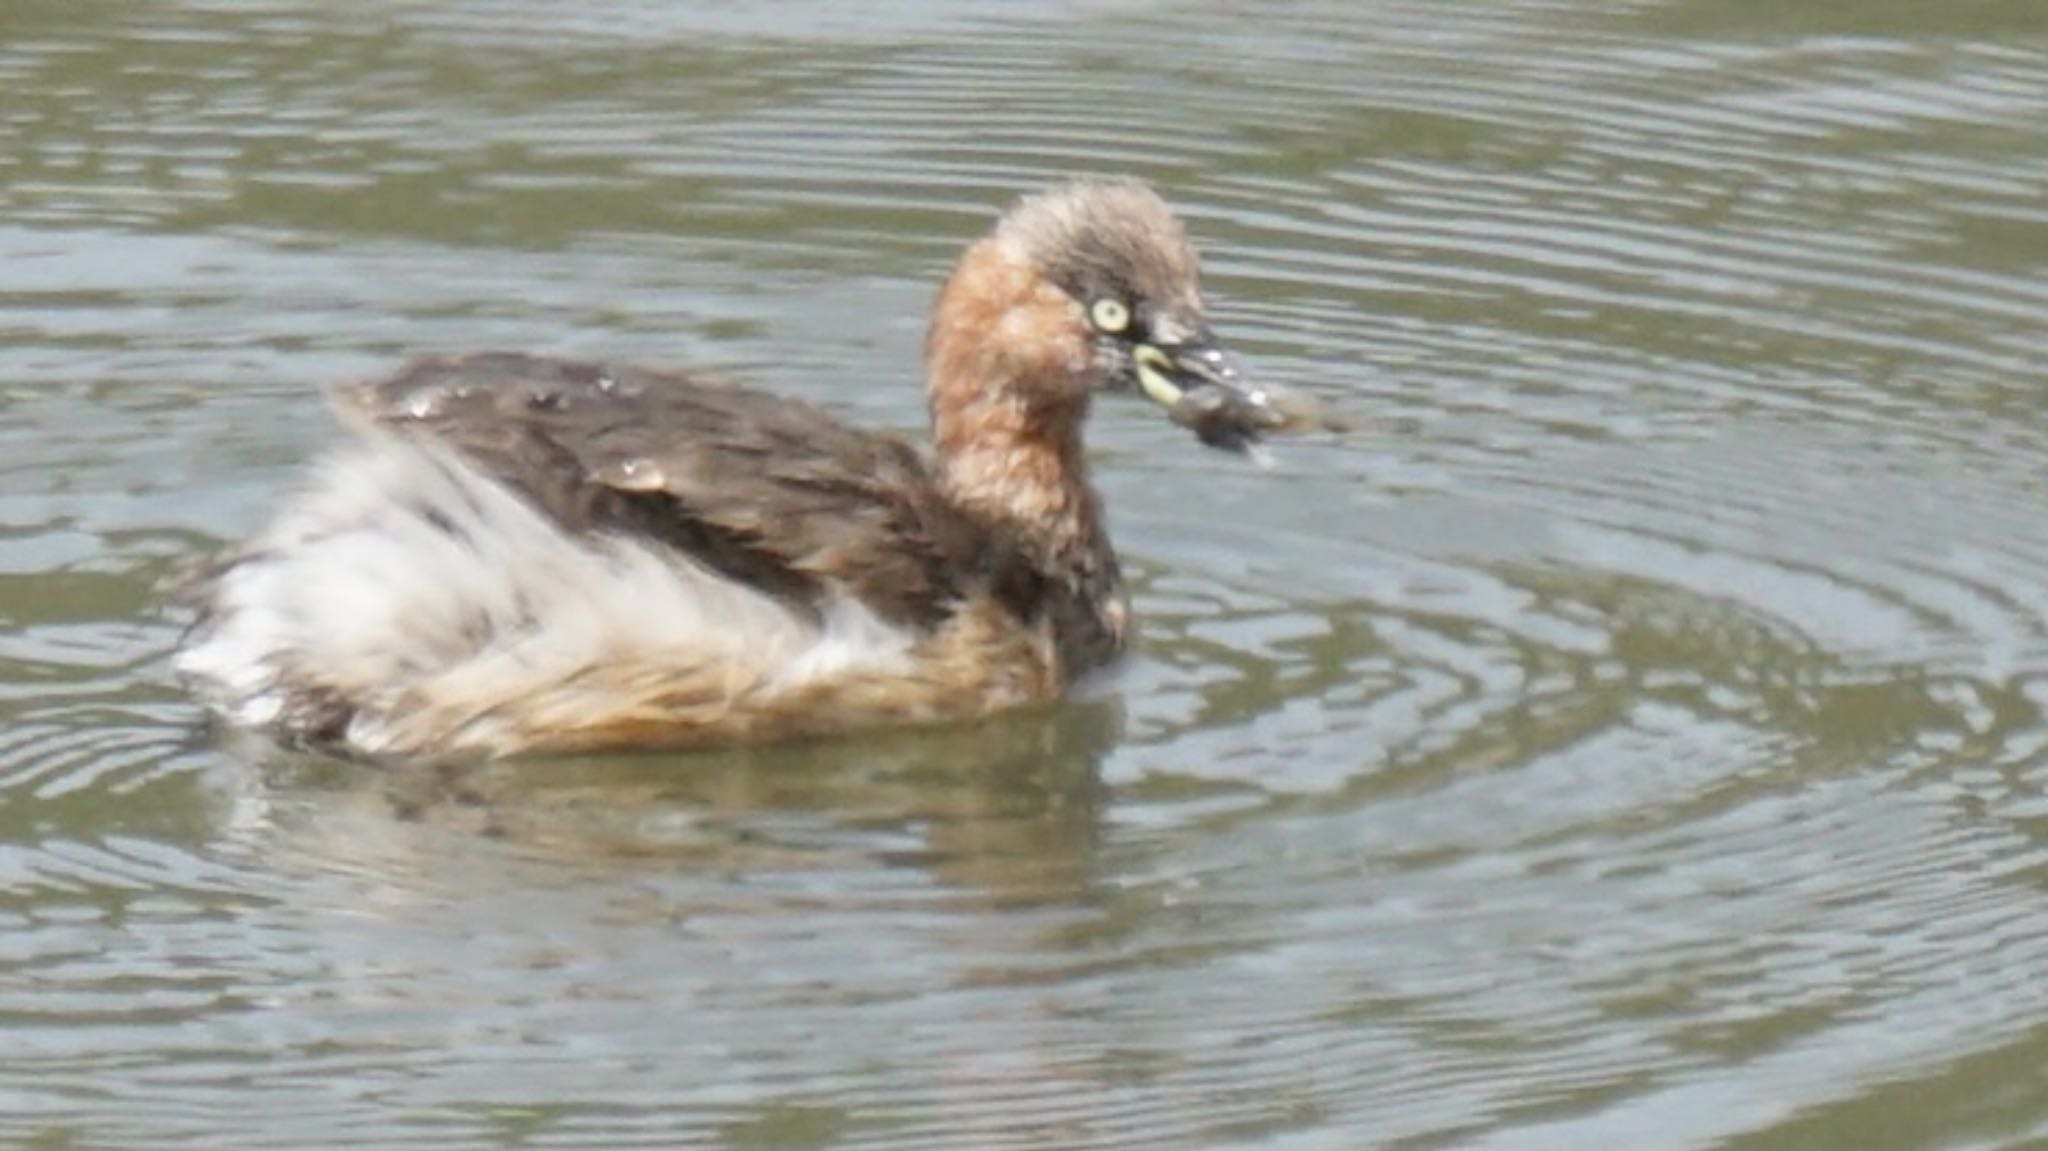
[[1204, 389]]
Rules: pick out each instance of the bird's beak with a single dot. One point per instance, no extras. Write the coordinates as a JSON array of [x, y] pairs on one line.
[[1204, 388]]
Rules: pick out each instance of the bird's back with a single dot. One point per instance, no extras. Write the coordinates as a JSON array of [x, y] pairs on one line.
[[523, 553]]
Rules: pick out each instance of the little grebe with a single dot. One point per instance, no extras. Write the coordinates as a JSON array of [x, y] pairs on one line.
[[524, 554]]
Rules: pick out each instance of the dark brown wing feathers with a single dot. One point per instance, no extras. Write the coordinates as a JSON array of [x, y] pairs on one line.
[[767, 489]]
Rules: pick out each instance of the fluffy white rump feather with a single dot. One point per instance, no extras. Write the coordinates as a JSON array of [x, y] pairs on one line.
[[410, 584]]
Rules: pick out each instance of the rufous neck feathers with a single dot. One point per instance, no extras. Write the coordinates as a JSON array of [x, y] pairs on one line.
[[1008, 364]]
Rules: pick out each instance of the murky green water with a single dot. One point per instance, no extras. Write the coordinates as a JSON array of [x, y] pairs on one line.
[[1636, 740]]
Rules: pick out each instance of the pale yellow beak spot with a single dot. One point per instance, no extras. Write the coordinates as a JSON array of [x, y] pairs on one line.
[[1155, 375]]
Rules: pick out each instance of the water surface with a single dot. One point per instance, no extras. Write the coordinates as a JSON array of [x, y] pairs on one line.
[[1633, 738]]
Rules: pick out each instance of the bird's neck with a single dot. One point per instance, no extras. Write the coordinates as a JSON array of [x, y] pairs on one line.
[[1027, 482], [1007, 365], [1005, 465]]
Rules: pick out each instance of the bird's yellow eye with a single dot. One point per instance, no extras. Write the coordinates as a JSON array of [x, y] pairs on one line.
[[1109, 315]]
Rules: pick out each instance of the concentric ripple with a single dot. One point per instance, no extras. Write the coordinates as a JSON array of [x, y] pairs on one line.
[[1631, 736]]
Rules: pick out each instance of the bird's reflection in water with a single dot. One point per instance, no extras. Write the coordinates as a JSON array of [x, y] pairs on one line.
[[1005, 809]]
